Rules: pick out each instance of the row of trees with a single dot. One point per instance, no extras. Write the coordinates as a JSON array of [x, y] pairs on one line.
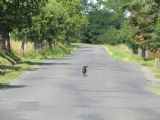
[[46, 22], [145, 24], [105, 19], [133, 22], [40, 21]]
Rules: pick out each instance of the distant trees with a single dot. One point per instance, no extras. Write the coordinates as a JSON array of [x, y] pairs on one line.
[[47, 22], [105, 21], [123, 21]]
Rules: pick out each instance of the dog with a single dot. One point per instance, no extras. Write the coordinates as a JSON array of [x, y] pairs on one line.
[[84, 70]]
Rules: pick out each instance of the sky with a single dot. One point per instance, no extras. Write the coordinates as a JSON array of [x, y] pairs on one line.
[[94, 1]]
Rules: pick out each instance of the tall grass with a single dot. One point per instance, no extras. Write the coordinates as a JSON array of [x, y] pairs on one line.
[[43, 53], [16, 48]]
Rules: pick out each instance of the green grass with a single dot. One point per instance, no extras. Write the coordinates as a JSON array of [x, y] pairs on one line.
[[154, 88], [156, 72], [127, 55], [10, 71]]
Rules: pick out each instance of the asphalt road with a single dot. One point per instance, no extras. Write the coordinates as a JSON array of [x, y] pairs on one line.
[[56, 90]]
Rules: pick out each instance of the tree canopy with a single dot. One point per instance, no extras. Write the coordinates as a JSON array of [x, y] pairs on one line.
[[39, 21], [133, 22], [46, 22]]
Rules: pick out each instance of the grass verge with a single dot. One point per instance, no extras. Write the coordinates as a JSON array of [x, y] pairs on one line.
[[13, 71], [156, 72], [121, 52]]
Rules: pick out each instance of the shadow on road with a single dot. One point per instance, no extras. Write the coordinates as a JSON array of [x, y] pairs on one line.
[[43, 63], [91, 117], [6, 86]]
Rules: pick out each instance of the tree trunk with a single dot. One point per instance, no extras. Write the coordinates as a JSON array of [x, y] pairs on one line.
[[4, 40], [67, 40], [55, 44], [22, 47], [143, 53], [36, 46], [8, 44], [1, 41], [49, 43]]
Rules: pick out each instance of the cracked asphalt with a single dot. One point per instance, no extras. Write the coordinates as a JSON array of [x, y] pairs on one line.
[[56, 90]]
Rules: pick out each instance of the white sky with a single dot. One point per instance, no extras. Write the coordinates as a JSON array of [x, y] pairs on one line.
[[93, 1], [127, 13]]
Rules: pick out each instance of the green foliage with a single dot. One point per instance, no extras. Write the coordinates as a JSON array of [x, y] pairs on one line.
[[39, 21], [105, 21], [158, 26], [16, 14], [98, 21], [110, 36], [76, 19], [53, 16], [144, 21]]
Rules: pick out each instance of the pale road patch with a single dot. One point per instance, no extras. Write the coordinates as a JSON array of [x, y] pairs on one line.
[[57, 90]]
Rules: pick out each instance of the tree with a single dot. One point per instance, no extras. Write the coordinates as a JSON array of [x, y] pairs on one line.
[[15, 14], [105, 17], [75, 21], [41, 22], [143, 21]]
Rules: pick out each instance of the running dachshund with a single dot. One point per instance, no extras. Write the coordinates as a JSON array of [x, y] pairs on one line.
[[84, 70]]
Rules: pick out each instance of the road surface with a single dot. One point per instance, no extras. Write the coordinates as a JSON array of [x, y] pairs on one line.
[[56, 90]]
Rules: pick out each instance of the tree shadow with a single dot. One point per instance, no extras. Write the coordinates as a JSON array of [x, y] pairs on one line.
[[43, 63], [2, 72], [7, 86], [12, 58], [4, 67], [31, 63], [7, 58]]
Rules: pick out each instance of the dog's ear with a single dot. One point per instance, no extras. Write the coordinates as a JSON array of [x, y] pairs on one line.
[[85, 66]]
